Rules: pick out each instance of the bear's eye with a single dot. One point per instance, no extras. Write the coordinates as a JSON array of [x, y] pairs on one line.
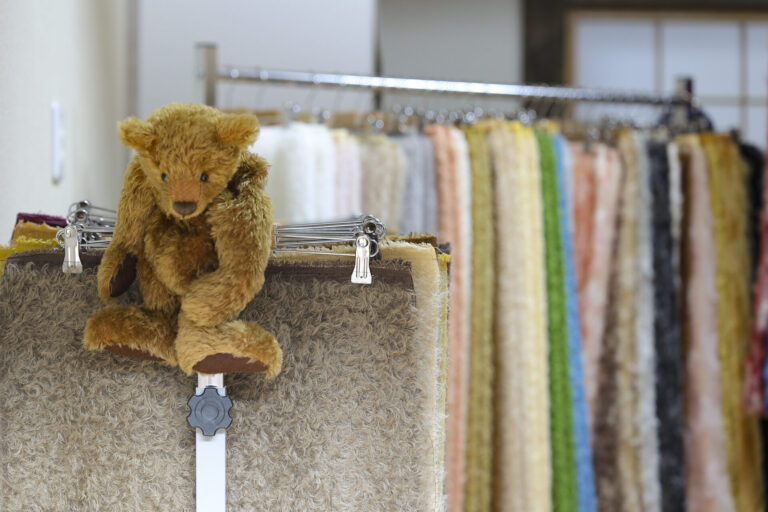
[[204, 177], [164, 177]]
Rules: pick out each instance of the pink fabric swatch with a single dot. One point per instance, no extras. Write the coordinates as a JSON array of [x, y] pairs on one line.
[[596, 181], [449, 230], [707, 480]]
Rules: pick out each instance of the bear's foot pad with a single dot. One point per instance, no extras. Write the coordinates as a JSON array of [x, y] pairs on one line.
[[133, 353], [227, 363]]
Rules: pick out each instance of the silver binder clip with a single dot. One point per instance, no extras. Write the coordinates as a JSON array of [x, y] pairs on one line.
[[72, 263], [362, 272]]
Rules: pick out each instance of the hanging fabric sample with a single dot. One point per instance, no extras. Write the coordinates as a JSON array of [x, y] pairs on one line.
[[301, 179], [564, 494], [595, 177], [348, 181], [620, 454], [452, 166], [669, 378], [707, 485], [645, 377], [419, 193], [755, 392], [727, 185], [382, 162], [585, 479], [523, 475], [479, 456]]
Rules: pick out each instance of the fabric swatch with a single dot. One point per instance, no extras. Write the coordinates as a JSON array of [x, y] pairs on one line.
[[669, 377], [707, 486], [564, 495], [585, 479], [479, 454]]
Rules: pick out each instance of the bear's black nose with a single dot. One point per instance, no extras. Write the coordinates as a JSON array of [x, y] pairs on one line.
[[184, 207]]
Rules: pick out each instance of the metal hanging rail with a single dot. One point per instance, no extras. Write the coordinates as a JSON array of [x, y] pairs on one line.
[[209, 72]]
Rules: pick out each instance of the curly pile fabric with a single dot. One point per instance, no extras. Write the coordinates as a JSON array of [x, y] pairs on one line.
[[353, 423]]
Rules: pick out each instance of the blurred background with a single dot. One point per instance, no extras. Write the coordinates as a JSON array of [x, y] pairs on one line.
[[103, 60]]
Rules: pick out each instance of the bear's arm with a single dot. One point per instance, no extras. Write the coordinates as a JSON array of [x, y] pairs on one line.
[[117, 269], [241, 225]]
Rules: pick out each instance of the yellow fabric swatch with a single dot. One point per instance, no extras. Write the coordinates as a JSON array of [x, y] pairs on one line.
[[23, 244], [522, 456], [479, 455], [727, 187], [34, 230]]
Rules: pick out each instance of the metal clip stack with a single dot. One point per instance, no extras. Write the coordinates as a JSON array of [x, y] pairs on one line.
[[92, 227], [88, 227], [364, 232]]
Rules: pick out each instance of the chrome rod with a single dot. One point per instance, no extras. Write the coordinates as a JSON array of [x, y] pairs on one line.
[[419, 85]]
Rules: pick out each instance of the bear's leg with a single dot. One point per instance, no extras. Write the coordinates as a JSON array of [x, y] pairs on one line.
[[133, 331], [235, 346], [154, 294]]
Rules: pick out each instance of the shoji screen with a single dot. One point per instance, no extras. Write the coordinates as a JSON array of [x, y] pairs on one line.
[[727, 56]]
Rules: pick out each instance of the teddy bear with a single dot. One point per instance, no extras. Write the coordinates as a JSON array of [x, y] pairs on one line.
[[195, 226]]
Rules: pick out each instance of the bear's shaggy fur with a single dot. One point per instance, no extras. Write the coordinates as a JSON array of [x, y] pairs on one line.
[[194, 221]]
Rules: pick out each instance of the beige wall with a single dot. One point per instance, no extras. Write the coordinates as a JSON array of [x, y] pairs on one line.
[[327, 35], [452, 40], [74, 52]]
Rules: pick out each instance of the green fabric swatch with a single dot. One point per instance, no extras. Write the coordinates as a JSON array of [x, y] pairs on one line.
[[564, 497]]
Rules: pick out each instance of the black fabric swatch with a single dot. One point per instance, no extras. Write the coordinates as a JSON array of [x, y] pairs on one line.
[[667, 335]]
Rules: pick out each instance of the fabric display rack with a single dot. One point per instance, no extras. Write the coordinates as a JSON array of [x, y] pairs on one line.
[[559, 317]]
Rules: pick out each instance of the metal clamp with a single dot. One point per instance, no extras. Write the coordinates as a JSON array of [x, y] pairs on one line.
[[68, 237]]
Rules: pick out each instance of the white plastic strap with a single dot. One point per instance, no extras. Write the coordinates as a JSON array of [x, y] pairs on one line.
[[211, 459]]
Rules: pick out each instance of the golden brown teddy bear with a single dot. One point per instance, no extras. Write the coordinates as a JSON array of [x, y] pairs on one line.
[[195, 223]]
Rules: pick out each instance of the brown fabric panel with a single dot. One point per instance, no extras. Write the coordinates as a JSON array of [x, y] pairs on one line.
[[391, 272]]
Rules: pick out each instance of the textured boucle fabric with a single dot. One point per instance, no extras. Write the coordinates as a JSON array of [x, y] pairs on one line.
[[479, 465], [352, 423], [669, 398]]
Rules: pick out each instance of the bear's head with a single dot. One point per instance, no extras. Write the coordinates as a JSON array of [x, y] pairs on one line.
[[189, 153]]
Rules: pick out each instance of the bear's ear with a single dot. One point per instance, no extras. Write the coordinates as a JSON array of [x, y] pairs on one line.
[[239, 130], [136, 134]]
